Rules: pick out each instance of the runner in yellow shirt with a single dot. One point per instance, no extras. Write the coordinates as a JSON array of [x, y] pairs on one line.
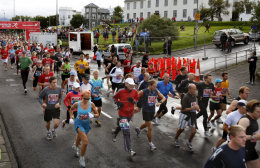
[[80, 66]]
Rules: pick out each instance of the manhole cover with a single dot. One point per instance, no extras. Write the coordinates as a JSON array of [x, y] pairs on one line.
[[10, 80]]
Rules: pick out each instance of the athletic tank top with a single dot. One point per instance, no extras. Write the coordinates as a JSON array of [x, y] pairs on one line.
[[83, 115], [66, 67], [37, 72], [70, 84], [111, 67], [251, 130], [149, 100]]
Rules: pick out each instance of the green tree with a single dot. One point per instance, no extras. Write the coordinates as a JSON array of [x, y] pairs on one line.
[[77, 20], [117, 14], [44, 22], [159, 27], [239, 8], [256, 16], [219, 7]]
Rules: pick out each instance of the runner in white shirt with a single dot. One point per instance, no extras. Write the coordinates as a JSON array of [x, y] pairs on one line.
[[136, 69], [85, 85], [117, 75]]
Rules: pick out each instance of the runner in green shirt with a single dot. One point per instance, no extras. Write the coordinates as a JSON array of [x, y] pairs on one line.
[[25, 63]]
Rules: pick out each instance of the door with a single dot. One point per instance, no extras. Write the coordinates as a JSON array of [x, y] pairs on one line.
[[85, 39]]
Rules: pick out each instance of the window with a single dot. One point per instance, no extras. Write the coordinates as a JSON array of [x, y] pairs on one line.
[[149, 4], [93, 24], [165, 14], [195, 1], [165, 2], [134, 15], [68, 16], [141, 4], [157, 3], [175, 2], [184, 13], [87, 16], [128, 6], [148, 14], [175, 13], [87, 9], [93, 16], [134, 5], [94, 10], [141, 15], [248, 10], [184, 2], [127, 16], [73, 37], [194, 12]]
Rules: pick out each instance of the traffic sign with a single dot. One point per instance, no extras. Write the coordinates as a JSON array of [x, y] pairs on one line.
[[197, 16]]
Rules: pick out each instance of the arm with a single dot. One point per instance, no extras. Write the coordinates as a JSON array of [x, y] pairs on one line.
[[66, 100], [163, 99], [232, 107], [244, 122], [112, 72], [93, 107], [172, 91], [225, 127], [75, 106], [141, 93], [41, 97], [61, 68]]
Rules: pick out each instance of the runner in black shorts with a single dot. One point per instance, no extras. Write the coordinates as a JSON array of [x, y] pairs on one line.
[[149, 96], [36, 71]]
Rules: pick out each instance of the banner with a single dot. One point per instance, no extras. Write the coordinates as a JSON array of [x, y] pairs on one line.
[[19, 25]]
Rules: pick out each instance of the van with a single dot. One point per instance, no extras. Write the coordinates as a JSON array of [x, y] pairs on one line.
[[81, 42], [119, 50]]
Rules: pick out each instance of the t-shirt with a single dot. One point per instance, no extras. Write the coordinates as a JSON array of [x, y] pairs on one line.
[[34, 60], [218, 93], [149, 100], [47, 61], [12, 54], [127, 69], [233, 118], [165, 88], [52, 97], [225, 157], [25, 62], [45, 79], [4, 53], [188, 101], [224, 86], [18, 54], [97, 85], [204, 90], [85, 87], [80, 66], [252, 62]]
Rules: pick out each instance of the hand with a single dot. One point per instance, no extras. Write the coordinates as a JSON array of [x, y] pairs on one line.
[[71, 121], [57, 105], [94, 95], [119, 105], [158, 104], [69, 107], [44, 105], [230, 96], [177, 97], [131, 100], [136, 109], [196, 107], [33, 78]]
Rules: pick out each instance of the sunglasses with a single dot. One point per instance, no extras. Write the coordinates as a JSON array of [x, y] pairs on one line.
[[86, 98]]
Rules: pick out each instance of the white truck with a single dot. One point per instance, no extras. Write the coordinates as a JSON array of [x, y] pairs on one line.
[[44, 38], [81, 42]]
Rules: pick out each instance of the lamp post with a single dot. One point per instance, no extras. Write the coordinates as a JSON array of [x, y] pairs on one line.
[[57, 17], [196, 31]]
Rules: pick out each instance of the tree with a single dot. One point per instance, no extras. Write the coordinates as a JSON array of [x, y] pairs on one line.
[[77, 20], [159, 27], [44, 22], [118, 14], [219, 7], [238, 9], [256, 16], [205, 13]]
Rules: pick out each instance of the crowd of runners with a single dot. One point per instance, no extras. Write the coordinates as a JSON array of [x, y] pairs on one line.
[[133, 89]]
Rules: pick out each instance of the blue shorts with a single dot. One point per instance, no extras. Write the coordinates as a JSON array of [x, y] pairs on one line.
[[84, 126]]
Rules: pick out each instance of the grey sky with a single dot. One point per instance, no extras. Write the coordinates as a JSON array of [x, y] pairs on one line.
[[48, 7]]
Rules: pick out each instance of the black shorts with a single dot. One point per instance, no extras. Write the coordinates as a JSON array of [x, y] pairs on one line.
[[115, 86], [224, 135], [87, 71], [214, 106], [224, 100], [251, 155], [51, 114], [35, 81], [148, 116], [12, 60], [63, 77], [98, 103]]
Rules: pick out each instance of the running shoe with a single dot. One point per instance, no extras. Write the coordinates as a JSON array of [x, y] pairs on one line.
[[207, 134], [74, 146], [132, 153], [49, 137], [152, 147], [252, 83], [219, 121], [77, 151], [213, 123], [138, 131], [98, 123], [189, 145], [25, 91], [82, 162], [113, 136], [249, 82], [63, 124], [176, 142], [173, 109], [54, 134], [208, 125], [157, 121]]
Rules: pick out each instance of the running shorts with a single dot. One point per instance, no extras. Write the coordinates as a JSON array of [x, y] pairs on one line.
[[251, 155], [63, 77], [214, 106], [51, 114], [84, 126], [148, 116], [98, 103], [5, 60], [183, 123], [224, 100]]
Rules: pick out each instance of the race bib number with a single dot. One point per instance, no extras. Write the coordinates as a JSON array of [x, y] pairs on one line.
[[124, 124], [224, 91], [206, 92], [83, 116], [81, 66], [192, 105], [218, 94], [74, 100], [53, 98], [151, 100]]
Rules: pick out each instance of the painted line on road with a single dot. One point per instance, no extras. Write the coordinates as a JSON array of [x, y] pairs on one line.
[[105, 114]]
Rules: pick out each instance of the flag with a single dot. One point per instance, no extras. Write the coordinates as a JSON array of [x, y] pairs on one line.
[[29, 19], [20, 19], [24, 19]]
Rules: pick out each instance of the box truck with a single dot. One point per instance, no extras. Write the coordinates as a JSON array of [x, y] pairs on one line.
[[44, 38], [81, 42]]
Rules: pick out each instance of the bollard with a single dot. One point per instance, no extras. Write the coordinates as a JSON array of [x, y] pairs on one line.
[[226, 61], [236, 58]]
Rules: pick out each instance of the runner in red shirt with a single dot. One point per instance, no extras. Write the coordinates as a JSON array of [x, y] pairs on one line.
[[44, 78], [151, 69], [18, 53], [34, 58], [48, 61], [4, 55], [127, 65]]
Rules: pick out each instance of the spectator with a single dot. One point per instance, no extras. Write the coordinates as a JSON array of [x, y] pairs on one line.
[[223, 40], [252, 67]]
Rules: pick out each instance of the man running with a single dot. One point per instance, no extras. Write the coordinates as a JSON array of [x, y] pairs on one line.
[[80, 66], [126, 101], [127, 65], [48, 61], [85, 84], [82, 123], [188, 115], [44, 78], [4, 53], [96, 93], [25, 63], [136, 69], [149, 96], [117, 75], [52, 95], [65, 68], [36, 73]]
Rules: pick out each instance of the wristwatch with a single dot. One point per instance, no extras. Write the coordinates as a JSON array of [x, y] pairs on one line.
[[252, 137]]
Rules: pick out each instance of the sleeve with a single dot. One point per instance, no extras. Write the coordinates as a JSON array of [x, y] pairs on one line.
[[140, 87], [116, 97], [171, 90], [136, 97], [112, 72], [40, 79], [30, 61], [66, 99], [228, 120], [132, 68], [185, 103], [215, 161], [41, 96]]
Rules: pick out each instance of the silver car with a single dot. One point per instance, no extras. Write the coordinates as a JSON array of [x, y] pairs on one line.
[[254, 35], [237, 35]]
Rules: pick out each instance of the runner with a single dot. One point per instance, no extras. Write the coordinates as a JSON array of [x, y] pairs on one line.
[[96, 94], [67, 54], [136, 69], [88, 60], [12, 56], [44, 78], [71, 98], [149, 96], [164, 87], [109, 68], [183, 86], [243, 94], [205, 91], [117, 75], [82, 123], [65, 68], [181, 77], [126, 101], [36, 73], [71, 81], [5, 55], [52, 95], [48, 61], [107, 64], [231, 155], [59, 59], [25, 63], [34, 59], [232, 119], [18, 53], [127, 65], [249, 122], [85, 84], [80, 66], [188, 115]]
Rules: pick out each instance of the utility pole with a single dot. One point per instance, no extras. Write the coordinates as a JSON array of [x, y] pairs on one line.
[[14, 8], [57, 16], [196, 31]]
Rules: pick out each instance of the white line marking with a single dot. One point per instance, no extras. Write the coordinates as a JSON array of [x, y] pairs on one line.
[[105, 114]]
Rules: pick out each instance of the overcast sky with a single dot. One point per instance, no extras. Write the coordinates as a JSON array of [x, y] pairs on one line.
[[48, 7]]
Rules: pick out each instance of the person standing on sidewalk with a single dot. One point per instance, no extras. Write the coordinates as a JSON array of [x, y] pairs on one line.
[[252, 67], [25, 63], [230, 39], [205, 91], [98, 54], [53, 97], [149, 96], [223, 40]]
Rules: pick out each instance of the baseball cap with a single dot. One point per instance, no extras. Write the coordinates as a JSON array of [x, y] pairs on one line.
[[218, 80], [24, 52], [72, 73], [242, 103], [76, 85], [130, 81], [85, 77]]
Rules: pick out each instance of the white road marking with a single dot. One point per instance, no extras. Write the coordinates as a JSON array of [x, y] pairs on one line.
[[105, 114]]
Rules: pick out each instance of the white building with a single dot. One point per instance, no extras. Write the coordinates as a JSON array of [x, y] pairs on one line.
[[65, 15], [182, 10]]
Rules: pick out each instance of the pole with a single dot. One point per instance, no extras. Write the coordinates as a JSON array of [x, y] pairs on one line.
[[14, 8], [57, 17], [196, 38], [205, 57]]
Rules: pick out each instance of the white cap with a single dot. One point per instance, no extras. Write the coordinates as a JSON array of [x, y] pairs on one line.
[[242, 103], [76, 85], [130, 81]]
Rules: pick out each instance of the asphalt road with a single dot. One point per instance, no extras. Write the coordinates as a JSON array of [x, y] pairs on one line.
[[23, 116]]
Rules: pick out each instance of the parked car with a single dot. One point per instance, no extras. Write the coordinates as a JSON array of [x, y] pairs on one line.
[[119, 50], [237, 35], [254, 35]]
